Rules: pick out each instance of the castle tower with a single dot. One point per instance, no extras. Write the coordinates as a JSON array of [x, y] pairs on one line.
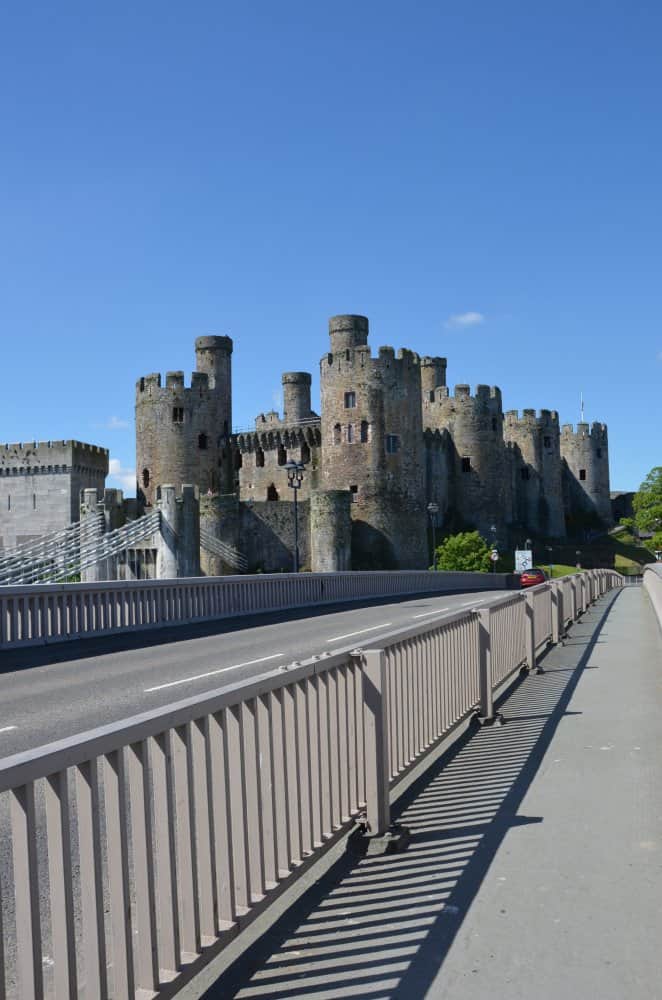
[[433, 376], [479, 482], [296, 397], [535, 450], [372, 445], [586, 458], [182, 433]]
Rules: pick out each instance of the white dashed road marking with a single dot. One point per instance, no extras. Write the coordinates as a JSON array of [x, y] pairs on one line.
[[350, 635], [211, 673]]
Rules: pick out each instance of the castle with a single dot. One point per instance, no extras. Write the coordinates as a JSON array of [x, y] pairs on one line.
[[391, 438]]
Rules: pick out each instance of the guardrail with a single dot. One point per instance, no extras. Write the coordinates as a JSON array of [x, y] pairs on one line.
[[37, 614], [652, 581], [135, 851]]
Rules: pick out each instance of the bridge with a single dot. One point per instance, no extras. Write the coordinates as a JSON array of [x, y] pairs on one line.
[[321, 801]]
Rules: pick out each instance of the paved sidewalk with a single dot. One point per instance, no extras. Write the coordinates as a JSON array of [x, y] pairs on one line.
[[535, 867]]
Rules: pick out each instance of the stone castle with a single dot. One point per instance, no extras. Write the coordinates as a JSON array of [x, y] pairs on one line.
[[390, 439]]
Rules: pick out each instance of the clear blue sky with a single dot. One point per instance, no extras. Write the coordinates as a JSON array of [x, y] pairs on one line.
[[252, 168]]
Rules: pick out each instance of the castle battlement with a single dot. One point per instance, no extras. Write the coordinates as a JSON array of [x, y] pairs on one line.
[[596, 430], [287, 436], [462, 392], [34, 446], [152, 385], [532, 418]]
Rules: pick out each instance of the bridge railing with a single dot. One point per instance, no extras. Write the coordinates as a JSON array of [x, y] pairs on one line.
[[652, 581], [134, 851], [32, 615]]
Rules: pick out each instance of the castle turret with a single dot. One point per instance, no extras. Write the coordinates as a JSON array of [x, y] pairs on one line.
[[373, 445], [296, 397], [585, 453], [534, 444], [433, 375], [182, 433], [480, 487]]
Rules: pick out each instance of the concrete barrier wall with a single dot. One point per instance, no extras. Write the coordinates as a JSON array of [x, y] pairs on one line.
[[41, 613], [653, 583]]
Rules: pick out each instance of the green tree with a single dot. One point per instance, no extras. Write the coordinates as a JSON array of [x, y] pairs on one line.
[[467, 552], [647, 503], [657, 541]]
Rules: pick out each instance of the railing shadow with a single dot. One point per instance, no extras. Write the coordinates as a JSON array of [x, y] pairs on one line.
[[381, 927]]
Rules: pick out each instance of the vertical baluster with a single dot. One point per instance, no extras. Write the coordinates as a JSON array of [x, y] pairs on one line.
[[343, 740], [218, 778], [266, 791], [233, 751], [333, 749], [200, 834], [291, 774], [26, 886], [180, 819], [313, 738], [93, 951], [60, 885], [145, 941], [303, 763], [324, 743], [121, 924], [252, 817], [351, 738], [165, 866]]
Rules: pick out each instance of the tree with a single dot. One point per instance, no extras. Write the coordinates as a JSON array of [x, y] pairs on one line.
[[467, 552], [647, 503]]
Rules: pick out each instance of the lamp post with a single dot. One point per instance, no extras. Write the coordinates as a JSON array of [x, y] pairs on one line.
[[578, 553], [493, 529], [433, 510], [549, 557], [294, 479]]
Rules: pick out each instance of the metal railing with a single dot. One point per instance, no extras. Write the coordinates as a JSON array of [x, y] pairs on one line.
[[133, 849], [47, 613]]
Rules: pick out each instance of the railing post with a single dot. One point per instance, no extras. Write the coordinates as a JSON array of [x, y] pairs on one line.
[[573, 593], [557, 612], [530, 634], [377, 756], [486, 714]]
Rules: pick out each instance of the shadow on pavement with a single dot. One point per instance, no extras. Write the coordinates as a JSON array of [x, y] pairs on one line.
[[381, 927]]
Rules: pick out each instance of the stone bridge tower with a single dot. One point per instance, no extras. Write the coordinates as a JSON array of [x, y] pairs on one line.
[[183, 433], [372, 445]]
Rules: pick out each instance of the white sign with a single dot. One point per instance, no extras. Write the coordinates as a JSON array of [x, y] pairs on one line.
[[494, 555], [523, 560]]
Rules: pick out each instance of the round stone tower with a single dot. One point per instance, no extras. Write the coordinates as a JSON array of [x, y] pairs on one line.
[[433, 376], [537, 481], [586, 457], [480, 485], [182, 433], [296, 397], [372, 445]]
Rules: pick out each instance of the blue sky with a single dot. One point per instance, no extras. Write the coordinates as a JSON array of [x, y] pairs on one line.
[[252, 168]]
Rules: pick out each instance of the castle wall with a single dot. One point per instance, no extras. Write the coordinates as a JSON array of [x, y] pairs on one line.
[[183, 433], [331, 531], [40, 486], [373, 445], [260, 459], [535, 454], [267, 535], [479, 481]]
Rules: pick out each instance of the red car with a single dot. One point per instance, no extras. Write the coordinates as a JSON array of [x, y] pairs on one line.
[[531, 577]]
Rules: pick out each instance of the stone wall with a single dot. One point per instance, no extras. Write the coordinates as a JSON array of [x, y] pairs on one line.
[[266, 535]]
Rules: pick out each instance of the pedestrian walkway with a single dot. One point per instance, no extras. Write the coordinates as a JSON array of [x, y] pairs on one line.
[[535, 864]]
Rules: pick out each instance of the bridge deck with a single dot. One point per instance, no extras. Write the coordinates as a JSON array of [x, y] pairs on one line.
[[535, 867]]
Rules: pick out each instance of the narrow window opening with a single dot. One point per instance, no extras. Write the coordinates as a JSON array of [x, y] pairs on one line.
[[145, 478], [392, 443], [350, 432], [305, 453], [354, 490], [365, 429], [350, 400], [599, 452], [259, 459], [547, 441], [431, 395], [282, 455], [347, 355], [202, 442], [238, 460], [178, 414], [494, 423], [466, 464], [9, 501], [582, 474], [272, 492], [142, 385], [336, 434]]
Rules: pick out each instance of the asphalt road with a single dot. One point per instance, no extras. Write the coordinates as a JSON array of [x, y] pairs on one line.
[[53, 692]]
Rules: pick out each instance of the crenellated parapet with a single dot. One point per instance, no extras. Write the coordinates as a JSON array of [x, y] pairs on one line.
[[44, 457], [585, 453]]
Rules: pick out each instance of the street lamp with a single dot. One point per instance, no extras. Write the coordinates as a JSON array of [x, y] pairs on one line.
[[433, 510], [493, 529], [549, 559], [294, 479], [578, 553]]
